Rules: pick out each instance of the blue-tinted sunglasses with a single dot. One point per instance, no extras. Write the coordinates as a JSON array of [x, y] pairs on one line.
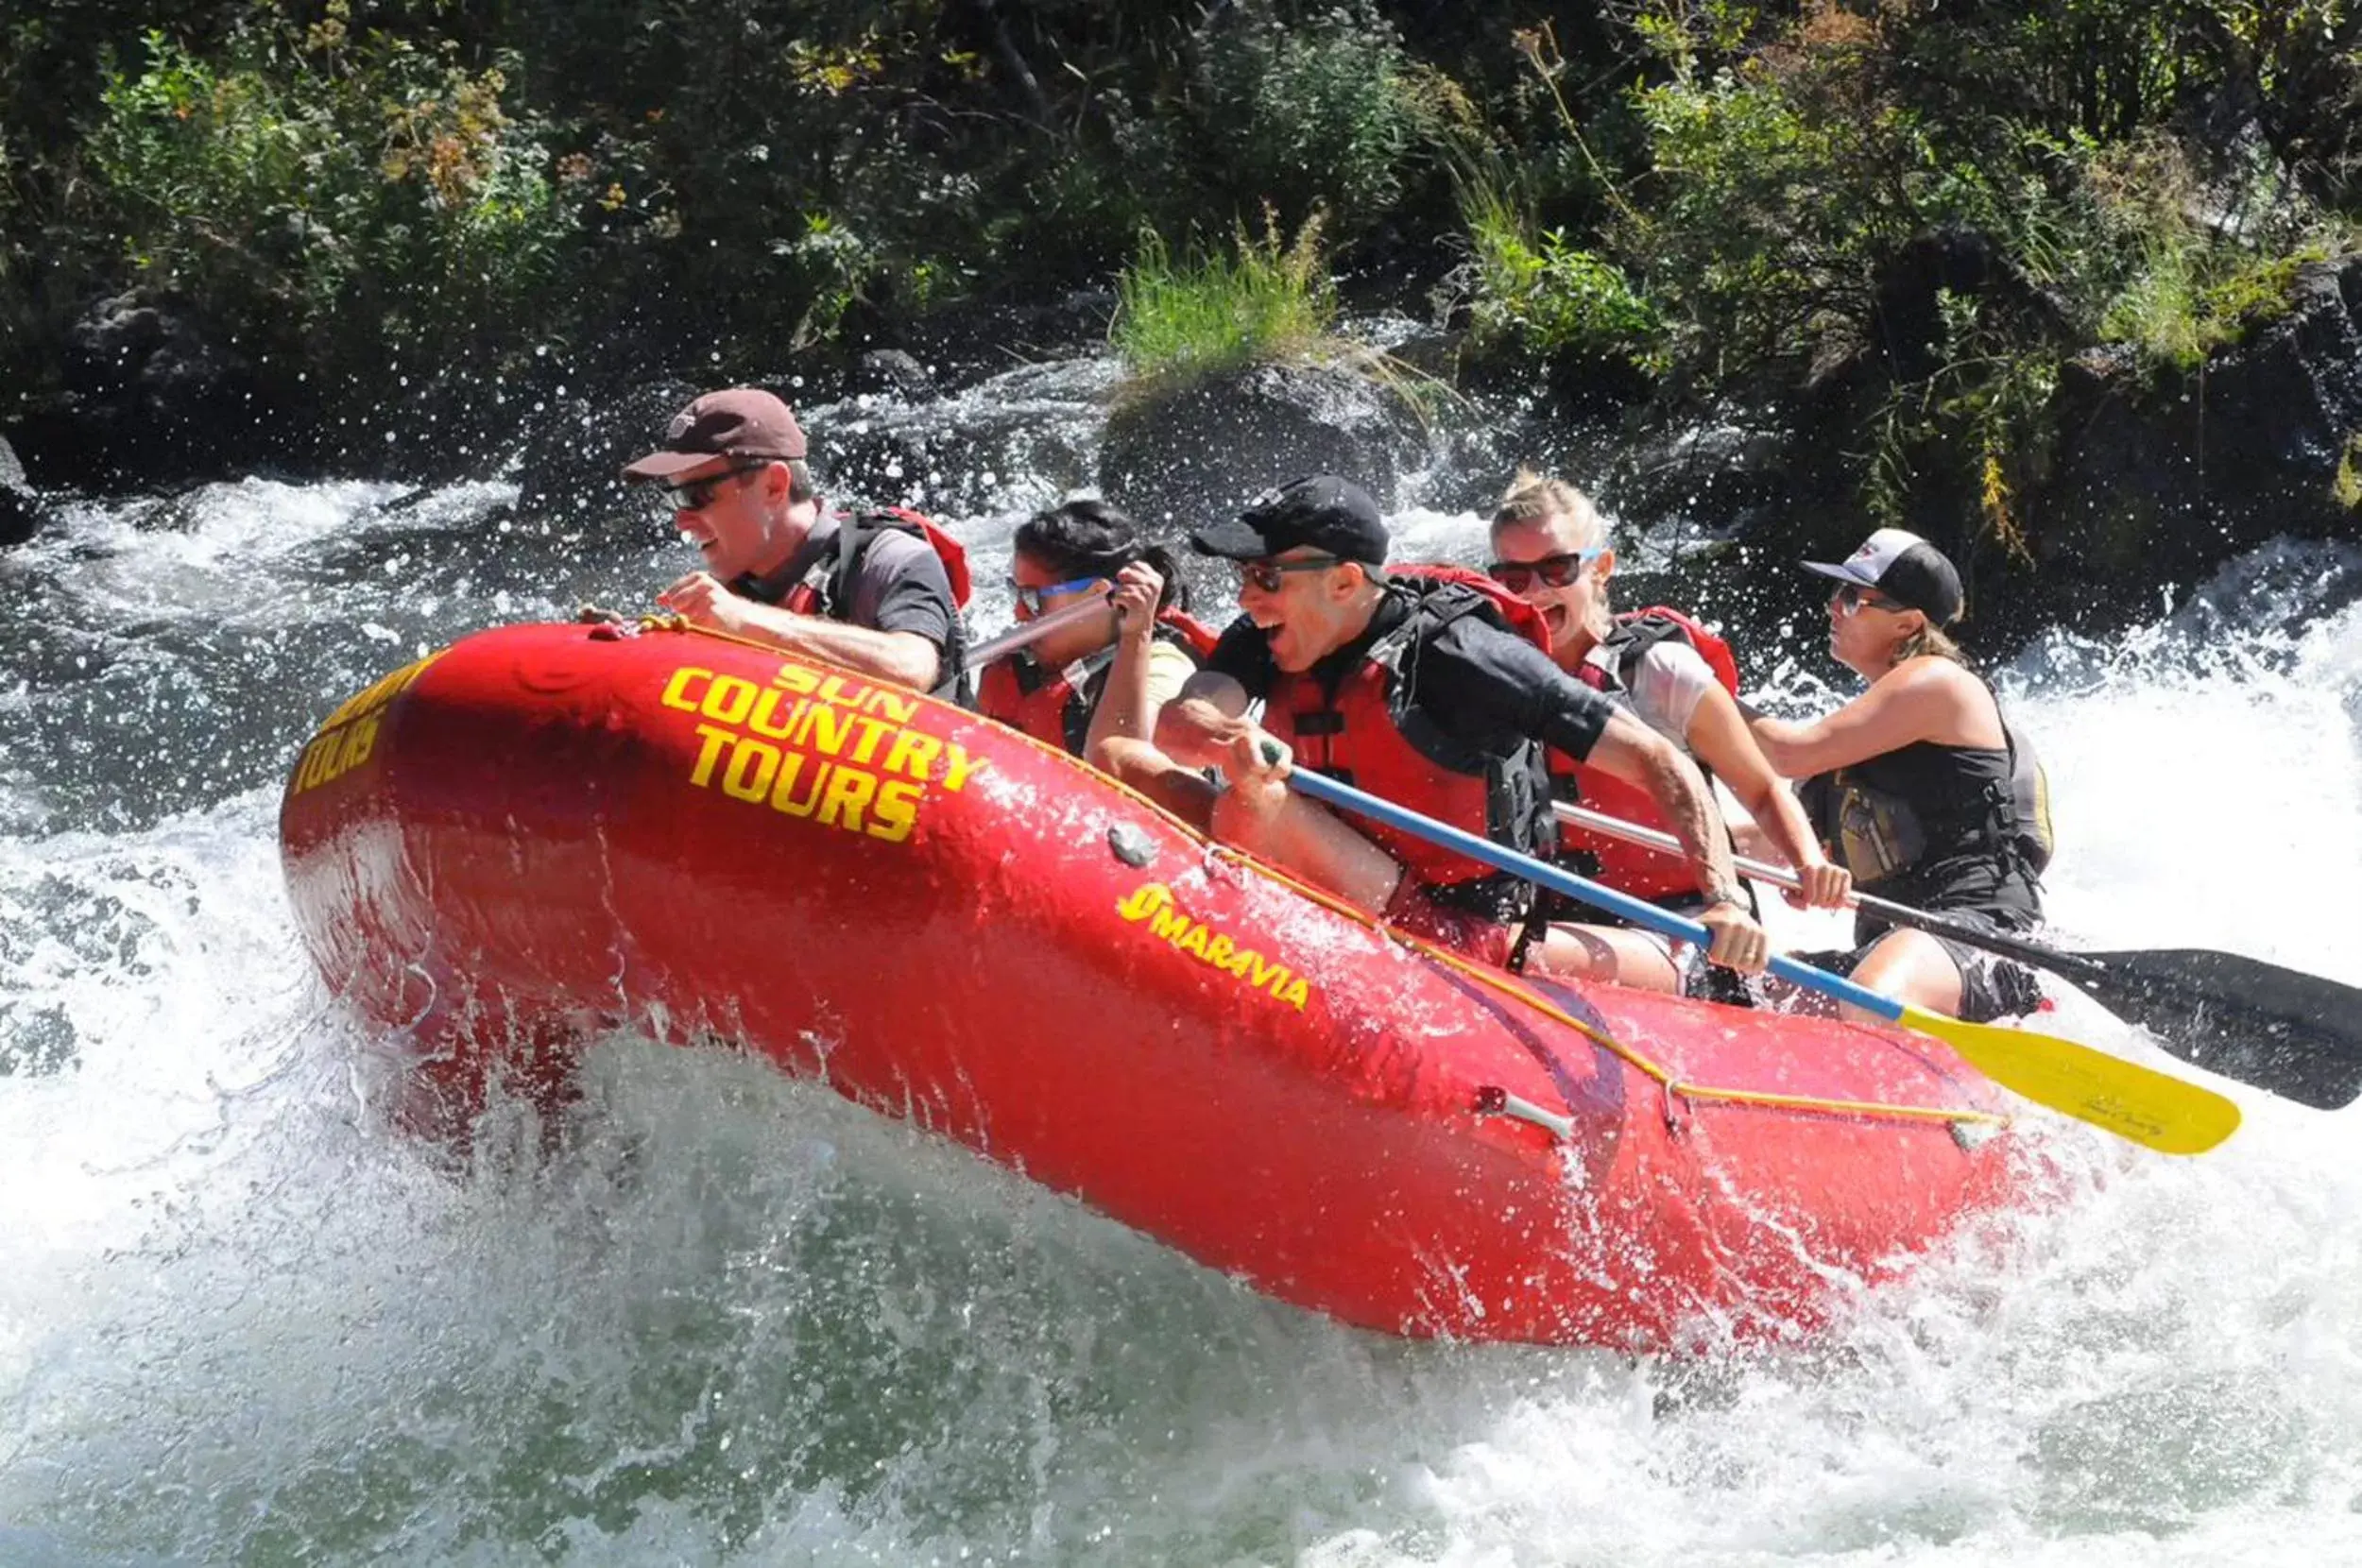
[[1030, 599]]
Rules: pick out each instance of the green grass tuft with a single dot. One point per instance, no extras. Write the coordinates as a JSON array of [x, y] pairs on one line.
[[1181, 317]]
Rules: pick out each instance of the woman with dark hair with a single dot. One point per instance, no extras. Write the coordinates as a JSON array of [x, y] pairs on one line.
[[1107, 677], [1920, 786]]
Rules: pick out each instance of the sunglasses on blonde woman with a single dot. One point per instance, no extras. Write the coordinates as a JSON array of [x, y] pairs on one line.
[[1551, 571]]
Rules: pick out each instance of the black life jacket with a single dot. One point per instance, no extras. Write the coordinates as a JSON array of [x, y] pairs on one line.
[[1369, 731], [1942, 827]]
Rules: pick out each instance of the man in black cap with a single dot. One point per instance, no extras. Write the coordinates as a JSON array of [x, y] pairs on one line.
[[878, 593], [1414, 687]]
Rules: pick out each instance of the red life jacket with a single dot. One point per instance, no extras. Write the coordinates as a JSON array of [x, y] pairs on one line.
[[1371, 733], [826, 589], [1054, 706], [1626, 867]]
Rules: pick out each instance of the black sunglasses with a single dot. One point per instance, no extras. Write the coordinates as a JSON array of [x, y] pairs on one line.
[[1270, 576], [1852, 596], [1553, 570], [699, 494]]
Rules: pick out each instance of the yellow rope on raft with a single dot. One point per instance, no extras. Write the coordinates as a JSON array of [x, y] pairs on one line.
[[1672, 1085]]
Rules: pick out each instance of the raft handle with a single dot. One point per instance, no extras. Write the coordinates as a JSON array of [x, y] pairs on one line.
[[1131, 844], [1494, 1101]]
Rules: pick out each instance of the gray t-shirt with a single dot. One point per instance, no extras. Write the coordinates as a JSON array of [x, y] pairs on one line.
[[899, 584]]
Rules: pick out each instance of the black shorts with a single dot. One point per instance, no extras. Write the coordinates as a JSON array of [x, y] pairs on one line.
[[1991, 986]]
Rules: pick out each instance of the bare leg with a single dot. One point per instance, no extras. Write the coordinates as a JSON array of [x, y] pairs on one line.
[[1613, 953], [1264, 819], [1305, 839], [1910, 966]]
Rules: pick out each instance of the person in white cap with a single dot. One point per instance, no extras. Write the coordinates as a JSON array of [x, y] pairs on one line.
[[1920, 786]]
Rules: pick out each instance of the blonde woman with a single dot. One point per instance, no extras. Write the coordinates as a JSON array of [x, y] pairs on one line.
[[1550, 547]]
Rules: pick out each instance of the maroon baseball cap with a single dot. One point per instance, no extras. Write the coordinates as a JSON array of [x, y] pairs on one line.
[[740, 421]]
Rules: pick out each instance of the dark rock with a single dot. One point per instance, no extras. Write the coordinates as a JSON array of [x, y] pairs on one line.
[[2139, 482], [150, 397], [969, 340], [1200, 454], [894, 373], [20, 509], [19, 516], [1717, 474], [575, 448], [2157, 483]]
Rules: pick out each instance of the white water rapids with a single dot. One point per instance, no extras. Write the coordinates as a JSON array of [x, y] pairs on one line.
[[741, 1321]]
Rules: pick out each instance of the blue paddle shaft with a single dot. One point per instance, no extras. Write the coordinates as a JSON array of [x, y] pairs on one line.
[[1640, 911]]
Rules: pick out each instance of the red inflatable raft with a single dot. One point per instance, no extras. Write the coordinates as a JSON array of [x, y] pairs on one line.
[[545, 829]]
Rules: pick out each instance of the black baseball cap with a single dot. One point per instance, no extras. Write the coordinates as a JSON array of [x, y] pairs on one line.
[[1320, 513], [1905, 568]]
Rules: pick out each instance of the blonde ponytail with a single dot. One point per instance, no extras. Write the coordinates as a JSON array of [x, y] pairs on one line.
[[1531, 499]]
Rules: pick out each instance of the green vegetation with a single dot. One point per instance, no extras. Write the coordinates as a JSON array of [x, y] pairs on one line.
[[1204, 312], [376, 201], [1542, 295], [1934, 206], [1960, 198]]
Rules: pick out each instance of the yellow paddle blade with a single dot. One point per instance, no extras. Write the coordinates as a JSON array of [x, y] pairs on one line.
[[2152, 1109]]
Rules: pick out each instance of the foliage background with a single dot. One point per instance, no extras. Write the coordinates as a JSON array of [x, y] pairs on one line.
[[1930, 208]]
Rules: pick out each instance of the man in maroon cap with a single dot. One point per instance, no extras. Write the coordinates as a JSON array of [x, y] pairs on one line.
[[878, 593]]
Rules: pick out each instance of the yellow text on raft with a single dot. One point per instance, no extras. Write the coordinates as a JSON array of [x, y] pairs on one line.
[[349, 738], [1152, 902], [817, 746]]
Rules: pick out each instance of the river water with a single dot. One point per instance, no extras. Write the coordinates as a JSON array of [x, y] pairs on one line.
[[739, 1321]]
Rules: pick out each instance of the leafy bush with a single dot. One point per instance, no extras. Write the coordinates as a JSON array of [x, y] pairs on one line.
[[1956, 198], [1543, 295], [1207, 312], [1328, 115], [381, 197]]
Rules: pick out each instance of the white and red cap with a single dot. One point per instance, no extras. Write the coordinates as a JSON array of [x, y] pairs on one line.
[[1906, 568]]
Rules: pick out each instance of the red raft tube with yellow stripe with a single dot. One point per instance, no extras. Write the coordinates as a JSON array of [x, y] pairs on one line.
[[548, 829]]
